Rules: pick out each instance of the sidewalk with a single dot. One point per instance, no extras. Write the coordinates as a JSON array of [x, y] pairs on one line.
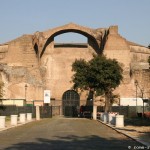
[[9, 126], [139, 134]]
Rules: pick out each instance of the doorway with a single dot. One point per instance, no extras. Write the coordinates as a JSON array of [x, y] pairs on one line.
[[71, 103]]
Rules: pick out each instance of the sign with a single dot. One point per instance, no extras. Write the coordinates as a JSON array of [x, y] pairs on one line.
[[47, 96]]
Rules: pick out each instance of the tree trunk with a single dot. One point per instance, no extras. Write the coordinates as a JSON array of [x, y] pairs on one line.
[[107, 102], [90, 99]]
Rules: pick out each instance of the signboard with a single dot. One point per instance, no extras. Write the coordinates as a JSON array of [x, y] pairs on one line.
[[47, 96]]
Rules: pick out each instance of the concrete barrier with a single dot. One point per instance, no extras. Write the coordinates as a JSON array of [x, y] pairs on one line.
[[2, 121], [29, 116], [14, 120], [113, 121], [37, 112], [102, 116], [112, 117], [119, 120], [105, 117], [94, 112], [22, 118]]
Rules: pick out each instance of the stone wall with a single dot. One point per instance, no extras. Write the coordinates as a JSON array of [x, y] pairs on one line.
[[58, 64], [19, 67], [35, 61]]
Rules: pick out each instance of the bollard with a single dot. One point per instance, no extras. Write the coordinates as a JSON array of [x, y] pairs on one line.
[[14, 119], [2, 121], [111, 117], [94, 112], [105, 117], [37, 112], [119, 120], [22, 118], [29, 116], [113, 121], [102, 116]]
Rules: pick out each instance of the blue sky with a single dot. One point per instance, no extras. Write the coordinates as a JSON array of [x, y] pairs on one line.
[[18, 17]]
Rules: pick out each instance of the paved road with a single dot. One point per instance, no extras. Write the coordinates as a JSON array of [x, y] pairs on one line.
[[64, 134]]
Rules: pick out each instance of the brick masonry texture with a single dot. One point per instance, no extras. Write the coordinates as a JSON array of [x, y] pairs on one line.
[[36, 61]]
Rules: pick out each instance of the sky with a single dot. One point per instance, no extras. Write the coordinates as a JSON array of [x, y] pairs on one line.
[[18, 17]]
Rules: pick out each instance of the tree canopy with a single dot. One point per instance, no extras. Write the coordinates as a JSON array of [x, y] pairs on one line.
[[100, 74]]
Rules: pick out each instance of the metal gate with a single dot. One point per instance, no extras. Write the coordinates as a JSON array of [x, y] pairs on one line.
[[71, 103], [45, 111]]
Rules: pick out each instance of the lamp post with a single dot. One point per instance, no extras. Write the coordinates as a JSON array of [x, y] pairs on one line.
[[26, 86], [136, 84], [142, 92]]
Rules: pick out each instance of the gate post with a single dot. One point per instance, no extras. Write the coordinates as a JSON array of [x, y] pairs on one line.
[[37, 112], [14, 120], [29, 116], [22, 118], [94, 112], [60, 110], [119, 120]]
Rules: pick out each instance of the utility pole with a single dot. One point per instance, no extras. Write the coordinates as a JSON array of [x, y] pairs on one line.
[[142, 92]]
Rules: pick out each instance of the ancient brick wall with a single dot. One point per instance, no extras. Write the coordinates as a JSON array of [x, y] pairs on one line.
[[19, 67], [35, 61], [58, 64]]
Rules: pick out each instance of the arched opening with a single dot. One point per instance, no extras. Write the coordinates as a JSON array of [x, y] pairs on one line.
[[70, 39], [91, 40], [70, 103]]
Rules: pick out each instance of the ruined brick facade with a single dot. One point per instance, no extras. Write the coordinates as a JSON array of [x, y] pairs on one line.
[[35, 60]]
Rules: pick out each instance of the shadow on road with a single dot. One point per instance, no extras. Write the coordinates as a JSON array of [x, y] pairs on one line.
[[72, 142]]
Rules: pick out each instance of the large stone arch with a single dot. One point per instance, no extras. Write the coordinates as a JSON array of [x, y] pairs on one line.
[[94, 36], [56, 63]]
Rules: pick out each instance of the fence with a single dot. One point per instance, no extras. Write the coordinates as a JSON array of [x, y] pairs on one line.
[[56, 110], [45, 111], [127, 111], [49, 111]]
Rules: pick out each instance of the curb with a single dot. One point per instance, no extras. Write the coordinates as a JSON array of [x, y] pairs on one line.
[[135, 139]]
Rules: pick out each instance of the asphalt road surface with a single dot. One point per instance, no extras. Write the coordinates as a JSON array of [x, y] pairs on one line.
[[64, 134]]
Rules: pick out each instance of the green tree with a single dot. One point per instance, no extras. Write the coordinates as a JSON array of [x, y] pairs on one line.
[[100, 75], [80, 67]]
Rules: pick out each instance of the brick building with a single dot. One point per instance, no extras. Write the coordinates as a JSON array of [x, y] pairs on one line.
[[33, 63]]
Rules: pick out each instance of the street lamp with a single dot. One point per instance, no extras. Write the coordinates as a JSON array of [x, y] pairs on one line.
[[136, 84], [26, 86], [142, 92]]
